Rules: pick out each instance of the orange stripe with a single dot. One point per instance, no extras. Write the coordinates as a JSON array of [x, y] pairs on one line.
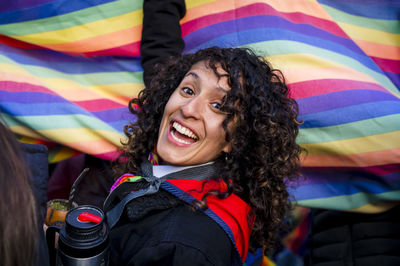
[[353, 160], [101, 42], [92, 146], [22, 78], [379, 50]]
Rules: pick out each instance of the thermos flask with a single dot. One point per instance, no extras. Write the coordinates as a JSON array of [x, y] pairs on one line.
[[83, 240]]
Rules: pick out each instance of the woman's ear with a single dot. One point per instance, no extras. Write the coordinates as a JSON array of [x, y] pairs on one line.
[[227, 148]]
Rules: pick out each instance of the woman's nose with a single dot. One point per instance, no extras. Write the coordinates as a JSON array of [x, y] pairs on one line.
[[193, 108]]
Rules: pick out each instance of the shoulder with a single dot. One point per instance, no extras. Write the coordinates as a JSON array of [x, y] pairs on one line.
[[176, 235]]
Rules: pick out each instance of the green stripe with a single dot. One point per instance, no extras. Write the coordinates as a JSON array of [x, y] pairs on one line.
[[270, 48], [348, 202], [88, 79], [363, 128], [389, 26], [49, 122], [72, 19]]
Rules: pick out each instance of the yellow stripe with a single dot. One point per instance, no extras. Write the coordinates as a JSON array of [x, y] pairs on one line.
[[73, 91], [193, 3], [301, 67], [372, 143], [85, 31], [27, 140], [371, 35], [62, 154], [12, 69], [120, 93], [375, 208], [71, 135], [27, 132], [101, 42]]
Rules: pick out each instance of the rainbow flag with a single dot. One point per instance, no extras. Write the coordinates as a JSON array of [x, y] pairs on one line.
[[68, 69]]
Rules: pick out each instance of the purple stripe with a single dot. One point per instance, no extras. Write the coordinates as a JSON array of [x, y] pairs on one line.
[[268, 24], [6, 5], [394, 77], [350, 114], [45, 10], [260, 35], [116, 114], [30, 97], [71, 64], [341, 99]]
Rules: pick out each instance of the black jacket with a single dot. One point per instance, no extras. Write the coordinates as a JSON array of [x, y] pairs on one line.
[[160, 229], [36, 159]]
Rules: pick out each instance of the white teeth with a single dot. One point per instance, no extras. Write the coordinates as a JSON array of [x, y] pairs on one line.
[[184, 131], [179, 140]]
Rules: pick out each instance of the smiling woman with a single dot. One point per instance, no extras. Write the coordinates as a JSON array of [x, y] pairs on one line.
[[191, 127], [222, 129]]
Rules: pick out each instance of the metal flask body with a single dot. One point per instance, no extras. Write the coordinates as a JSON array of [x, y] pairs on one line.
[[83, 242]]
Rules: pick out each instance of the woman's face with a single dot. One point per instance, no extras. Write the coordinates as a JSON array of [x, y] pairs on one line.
[[191, 127]]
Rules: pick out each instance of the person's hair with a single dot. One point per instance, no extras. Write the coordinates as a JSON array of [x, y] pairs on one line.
[[18, 223], [264, 153]]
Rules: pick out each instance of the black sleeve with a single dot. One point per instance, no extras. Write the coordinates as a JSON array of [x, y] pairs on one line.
[[161, 34], [170, 254], [176, 236]]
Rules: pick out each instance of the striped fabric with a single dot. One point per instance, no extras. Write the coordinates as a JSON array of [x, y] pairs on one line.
[[69, 67]]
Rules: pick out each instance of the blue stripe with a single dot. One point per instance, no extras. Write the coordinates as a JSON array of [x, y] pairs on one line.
[[394, 77], [270, 28], [349, 114], [389, 10], [335, 189], [71, 64], [339, 99], [177, 192], [44, 109], [118, 126], [394, 3], [28, 97], [115, 114], [51, 9], [321, 175]]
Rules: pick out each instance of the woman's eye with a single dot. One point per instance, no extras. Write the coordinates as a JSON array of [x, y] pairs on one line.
[[187, 90], [216, 105]]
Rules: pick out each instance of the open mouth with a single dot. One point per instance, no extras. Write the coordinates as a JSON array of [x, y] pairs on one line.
[[182, 134]]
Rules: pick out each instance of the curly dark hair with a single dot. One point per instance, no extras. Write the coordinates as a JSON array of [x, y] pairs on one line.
[[264, 152]]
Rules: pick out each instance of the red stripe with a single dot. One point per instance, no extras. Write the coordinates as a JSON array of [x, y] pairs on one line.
[[17, 43], [387, 65], [111, 156], [98, 105], [383, 169], [380, 170], [130, 49], [260, 9], [310, 88], [23, 87]]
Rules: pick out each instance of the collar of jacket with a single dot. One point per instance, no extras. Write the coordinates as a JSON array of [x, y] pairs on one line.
[[230, 213]]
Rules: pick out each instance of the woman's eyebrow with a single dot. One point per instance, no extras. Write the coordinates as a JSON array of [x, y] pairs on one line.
[[194, 75], [197, 78]]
